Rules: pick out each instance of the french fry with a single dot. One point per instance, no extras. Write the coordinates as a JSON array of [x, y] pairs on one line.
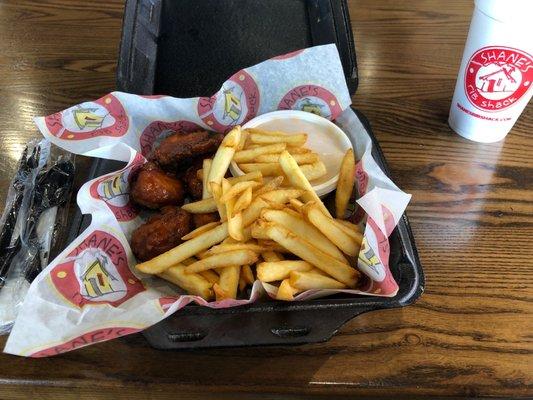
[[298, 150], [271, 245], [286, 291], [305, 158], [224, 155], [244, 200], [314, 171], [279, 270], [242, 283], [259, 229], [235, 257], [198, 231], [306, 251], [298, 179], [216, 190], [304, 229], [247, 273], [251, 176], [237, 189], [234, 220], [206, 167], [271, 256], [192, 283], [292, 212], [345, 183], [243, 139], [222, 248], [229, 280], [251, 154], [270, 185], [329, 228], [292, 140], [282, 196], [296, 204], [209, 275], [246, 232], [349, 225], [201, 206], [353, 231], [265, 132], [253, 211], [266, 169], [220, 294], [310, 280], [185, 250], [275, 206]]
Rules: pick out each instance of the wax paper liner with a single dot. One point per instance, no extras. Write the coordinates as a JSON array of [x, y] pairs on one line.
[[92, 292]]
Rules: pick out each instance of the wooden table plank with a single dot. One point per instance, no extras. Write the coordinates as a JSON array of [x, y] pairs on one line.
[[472, 215]]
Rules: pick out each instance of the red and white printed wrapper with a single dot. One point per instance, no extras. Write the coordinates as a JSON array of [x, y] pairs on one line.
[[92, 292]]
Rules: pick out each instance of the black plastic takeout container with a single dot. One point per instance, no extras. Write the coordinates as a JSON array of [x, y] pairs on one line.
[[187, 48]]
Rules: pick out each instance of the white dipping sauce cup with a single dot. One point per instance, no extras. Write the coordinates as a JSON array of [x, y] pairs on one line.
[[324, 138], [494, 82]]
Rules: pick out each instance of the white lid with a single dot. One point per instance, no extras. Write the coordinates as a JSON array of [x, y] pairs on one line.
[[507, 10]]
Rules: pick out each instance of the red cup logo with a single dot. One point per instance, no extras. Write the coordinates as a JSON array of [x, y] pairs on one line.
[[236, 103], [497, 77], [313, 99], [102, 117]]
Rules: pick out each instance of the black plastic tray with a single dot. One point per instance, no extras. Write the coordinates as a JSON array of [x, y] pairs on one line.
[[163, 52]]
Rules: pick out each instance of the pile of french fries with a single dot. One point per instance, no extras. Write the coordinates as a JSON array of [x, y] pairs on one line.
[[260, 151], [273, 227]]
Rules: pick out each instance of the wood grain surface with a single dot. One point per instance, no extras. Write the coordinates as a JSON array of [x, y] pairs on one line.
[[470, 335]]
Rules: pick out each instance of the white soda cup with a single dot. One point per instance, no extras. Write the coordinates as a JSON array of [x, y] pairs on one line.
[[496, 75]]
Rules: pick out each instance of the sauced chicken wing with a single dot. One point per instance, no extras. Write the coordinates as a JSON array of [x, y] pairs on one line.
[[160, 233], [179, 148], [203, 219], [194, 185], [154, 189]]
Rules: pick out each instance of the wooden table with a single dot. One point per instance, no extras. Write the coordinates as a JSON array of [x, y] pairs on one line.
[[472, 215]]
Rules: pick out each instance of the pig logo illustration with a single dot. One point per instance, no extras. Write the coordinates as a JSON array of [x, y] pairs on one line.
[[497, 77]]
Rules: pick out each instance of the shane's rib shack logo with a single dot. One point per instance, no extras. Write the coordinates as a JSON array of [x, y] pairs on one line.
[[96, 272], [102, 117], [313, 99], [497, 77], [236, 103]]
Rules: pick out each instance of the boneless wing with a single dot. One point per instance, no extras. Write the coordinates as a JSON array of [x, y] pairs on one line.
[[153, 188], [160, 233], [179, 148]]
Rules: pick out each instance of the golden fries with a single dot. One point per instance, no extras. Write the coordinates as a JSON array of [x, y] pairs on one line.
[[291, 140], [252, 176], [279, 270], [236, 189], [310, 280], [333, 267], [244, 200], [305, 158], [198, 231], [286, 291], [266, 169], [226, 259], [251, 154], [185, 250], [206, 167], [270, 212], [302, 228], [229, 282], [224, 155], [192, 283], [329, 228], [345, 184], [201, 206], [298, 179], [282, 196]]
